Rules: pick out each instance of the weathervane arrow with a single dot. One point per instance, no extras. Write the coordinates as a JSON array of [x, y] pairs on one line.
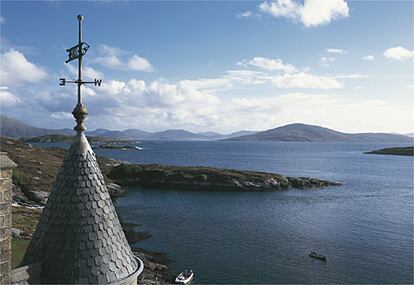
[[77, 52]]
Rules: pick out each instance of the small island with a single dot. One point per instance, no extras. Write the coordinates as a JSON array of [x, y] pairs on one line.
[[209, 178], [394, 151], [118, 146]]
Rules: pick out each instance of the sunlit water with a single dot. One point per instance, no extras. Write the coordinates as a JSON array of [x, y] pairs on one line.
[[365, 226]]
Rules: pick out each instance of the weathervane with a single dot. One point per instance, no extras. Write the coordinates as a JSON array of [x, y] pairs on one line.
[[77, 52]]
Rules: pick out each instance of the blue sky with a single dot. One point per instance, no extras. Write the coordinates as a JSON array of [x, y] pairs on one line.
[[213, 66]]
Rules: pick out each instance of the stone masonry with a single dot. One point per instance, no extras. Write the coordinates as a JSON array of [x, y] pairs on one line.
[[6, 184]]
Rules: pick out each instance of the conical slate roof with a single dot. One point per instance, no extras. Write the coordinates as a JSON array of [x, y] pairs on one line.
[[79, 238]]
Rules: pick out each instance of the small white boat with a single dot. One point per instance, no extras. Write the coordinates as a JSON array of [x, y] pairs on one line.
[[185, 277]]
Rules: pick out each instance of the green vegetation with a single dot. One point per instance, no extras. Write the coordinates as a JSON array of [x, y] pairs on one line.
[[25, 220], [17, 177], [37, 167], [19, 248], [394, 151]]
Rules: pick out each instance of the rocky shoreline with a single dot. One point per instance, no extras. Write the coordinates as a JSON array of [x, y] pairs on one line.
[[156, 270], [209, 178]]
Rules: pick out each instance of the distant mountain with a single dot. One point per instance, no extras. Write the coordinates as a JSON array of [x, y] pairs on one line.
[[69, 139], [310, 133], [211, 135], [293, 132], [179, 135], [16, 129], [97, 132], [176, 135], [130, 134], [240, 133]]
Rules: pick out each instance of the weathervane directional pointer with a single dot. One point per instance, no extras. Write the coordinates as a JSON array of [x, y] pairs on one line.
[[77, 52]]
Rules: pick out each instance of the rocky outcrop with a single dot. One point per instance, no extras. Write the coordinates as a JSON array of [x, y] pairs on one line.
[[16, 233], [209, 178], [39, 197], [156, 270], [115, 190]]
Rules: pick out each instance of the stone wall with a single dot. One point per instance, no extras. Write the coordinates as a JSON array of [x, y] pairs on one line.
[[6, 184]]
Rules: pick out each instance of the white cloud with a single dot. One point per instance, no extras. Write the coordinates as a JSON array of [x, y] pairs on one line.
[[210, 83], [192, 103], [7, 99], [87, 91], [275, 71], [115, 87], [311, 13], [91, 73], [112, 57], [136, 85], [159, 104], [326, 61], [88, 72], [268, 64], [398, 53], [368, 57], [335, 50], [16, 69], [247, 76], [61, 115], [247, 14], [306, 80], [281, 8], [352, 76], [139, 63], [2, 20]]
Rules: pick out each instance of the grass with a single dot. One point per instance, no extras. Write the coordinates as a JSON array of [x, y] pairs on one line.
[[19, 248], [25, 220]]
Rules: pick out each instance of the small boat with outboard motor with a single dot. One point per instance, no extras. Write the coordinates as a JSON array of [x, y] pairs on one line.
[[185, 277], [317, 255]]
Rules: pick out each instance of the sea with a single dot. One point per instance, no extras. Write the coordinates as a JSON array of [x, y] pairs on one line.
[[365, 226]]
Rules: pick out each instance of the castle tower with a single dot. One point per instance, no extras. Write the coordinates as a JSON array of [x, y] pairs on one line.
[[6, 185], [79, 239]]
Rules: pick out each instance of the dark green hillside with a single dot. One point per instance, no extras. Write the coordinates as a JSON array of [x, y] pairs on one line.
[[394, 151]]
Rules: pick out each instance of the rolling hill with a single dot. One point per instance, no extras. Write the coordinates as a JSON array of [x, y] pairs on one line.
[[16, 129], [310, 133]]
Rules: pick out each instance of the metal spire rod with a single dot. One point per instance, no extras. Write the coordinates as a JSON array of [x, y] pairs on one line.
[[77, 52], [80, 18]]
